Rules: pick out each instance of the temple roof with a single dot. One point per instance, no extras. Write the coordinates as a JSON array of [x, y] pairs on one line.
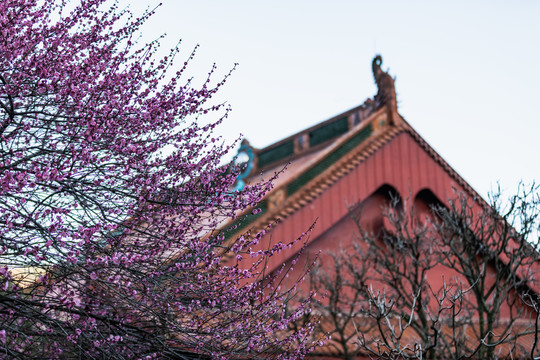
[[313, 159], [337, 163]]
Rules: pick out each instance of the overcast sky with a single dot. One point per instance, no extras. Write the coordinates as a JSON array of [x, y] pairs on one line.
[[467, 72]]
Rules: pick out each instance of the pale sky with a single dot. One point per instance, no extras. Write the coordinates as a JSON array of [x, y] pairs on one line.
[[467, 72]]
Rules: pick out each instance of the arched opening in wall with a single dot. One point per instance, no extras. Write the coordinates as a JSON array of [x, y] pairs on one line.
[[424, 206], [392, 196], [373, 213]]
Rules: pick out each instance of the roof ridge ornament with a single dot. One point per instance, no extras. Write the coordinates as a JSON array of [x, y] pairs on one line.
[[386, 94], [245, 160]]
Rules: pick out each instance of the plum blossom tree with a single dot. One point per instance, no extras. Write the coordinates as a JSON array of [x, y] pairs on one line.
[[111, 196]]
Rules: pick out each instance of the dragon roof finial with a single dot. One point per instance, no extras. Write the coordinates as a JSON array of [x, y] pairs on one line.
[[386, 94]]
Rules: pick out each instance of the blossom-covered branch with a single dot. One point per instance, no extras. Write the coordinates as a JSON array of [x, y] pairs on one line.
[[111, 195]]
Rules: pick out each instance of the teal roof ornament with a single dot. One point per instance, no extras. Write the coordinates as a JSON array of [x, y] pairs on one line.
[[245, 160]]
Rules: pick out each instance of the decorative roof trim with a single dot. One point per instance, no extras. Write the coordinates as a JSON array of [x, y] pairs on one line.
[[346, 149], [342, 167]]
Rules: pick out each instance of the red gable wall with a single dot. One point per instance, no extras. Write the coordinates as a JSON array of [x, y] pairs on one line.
[[402, 163]]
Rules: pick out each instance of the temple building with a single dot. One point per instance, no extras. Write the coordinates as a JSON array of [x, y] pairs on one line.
[[369, 158]]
